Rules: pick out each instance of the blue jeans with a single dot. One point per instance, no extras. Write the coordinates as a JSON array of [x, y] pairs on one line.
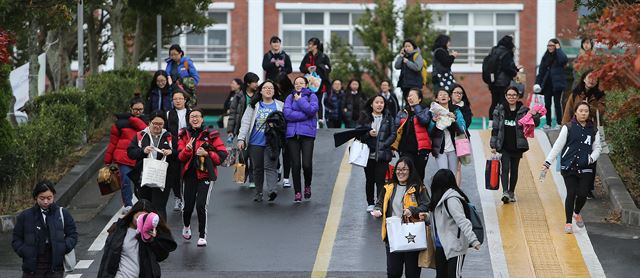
[[127, 189]]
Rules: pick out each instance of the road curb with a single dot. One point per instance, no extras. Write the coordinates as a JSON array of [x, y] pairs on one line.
[[618, 195], [72, 182]]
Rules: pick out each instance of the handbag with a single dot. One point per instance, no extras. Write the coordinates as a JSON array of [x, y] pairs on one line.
[[463, 146], [69, 258], [406, 236], [399, 132], [315, 82], [358, 153], [154, 172], [231, 158], [442, 77], [427, 257], [108, 180], [492, 173], [239, 170]]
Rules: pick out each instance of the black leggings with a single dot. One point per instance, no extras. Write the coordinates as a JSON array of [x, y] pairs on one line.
[[374, 173], [174, 178], [497, 96], [419, 160], [451, 268], [286, 163], [301, 154], [157, 197], [555, 96], [399, 260], [509, 171], [196, 194], [577, 189], [334, 123]]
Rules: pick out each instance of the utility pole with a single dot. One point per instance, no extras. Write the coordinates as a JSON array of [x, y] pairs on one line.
[[80, 79], [158, 40]]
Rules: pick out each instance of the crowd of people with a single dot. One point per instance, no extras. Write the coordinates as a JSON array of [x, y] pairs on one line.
[[273, 124]]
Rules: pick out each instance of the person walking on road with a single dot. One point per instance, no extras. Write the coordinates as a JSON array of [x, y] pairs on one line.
[[448, 122], [182, 72], [122, 132], [253, 135], [352, 103], [147, 143], [460, 99], [201, 151], [300, 112], [158, 97], [451, 229], [412, 139], [507, 138], [276, 63], [332, 103], [177, 119], [43, 234], [239, 104], [317, 61], [551, 79], [579, 144], [406, 196], [128, 253], [379, 140], [409, 61], [391, 101]]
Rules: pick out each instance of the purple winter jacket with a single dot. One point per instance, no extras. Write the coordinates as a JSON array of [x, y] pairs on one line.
[[301, 115]]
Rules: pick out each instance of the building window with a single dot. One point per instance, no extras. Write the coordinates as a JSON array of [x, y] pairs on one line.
[[297, 27], [474, 33], [213, 45]]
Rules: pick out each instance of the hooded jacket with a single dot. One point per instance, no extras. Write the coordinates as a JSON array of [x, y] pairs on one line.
[[415, 199], [508, 69], [141, 141], [122, 132], [452, 227], [410, 72], [237, 106], [150, 253], [497, 133], [301, 115], [185, 155], [27, 235], [182, 71]]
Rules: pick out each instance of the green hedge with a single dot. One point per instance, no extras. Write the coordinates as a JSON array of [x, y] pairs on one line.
[[58, 123], [623, 136]]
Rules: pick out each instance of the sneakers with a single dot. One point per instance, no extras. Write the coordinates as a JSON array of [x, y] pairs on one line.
[[568, 229], [126, 210], [590, 195], [252, 185], [505, 198], [307, 192], [370, 208], [186, 233], [512, 197], [546, 126], [297, 198], [286, 183], [258, 197], [178, 205], [202, 242], [272, 196], [579, 221]]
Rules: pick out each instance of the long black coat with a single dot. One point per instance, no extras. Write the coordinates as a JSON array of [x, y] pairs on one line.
[[28, 233], [151, 252]]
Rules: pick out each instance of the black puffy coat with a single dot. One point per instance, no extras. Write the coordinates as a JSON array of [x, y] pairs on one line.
[[552, 69], [380, 144], [508, 69], [27, 234], [151, 252]]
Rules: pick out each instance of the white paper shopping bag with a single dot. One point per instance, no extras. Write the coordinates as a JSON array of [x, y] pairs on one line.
[[406, 237]]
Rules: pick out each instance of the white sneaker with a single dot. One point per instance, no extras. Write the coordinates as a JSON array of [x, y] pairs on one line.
[[202, 242], [286, 183], [126, 210], [370, 208], [186, 233], [178, 205], [252, 185], [546, 126]]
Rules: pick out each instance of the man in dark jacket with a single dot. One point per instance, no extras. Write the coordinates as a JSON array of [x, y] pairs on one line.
[[43, 234], [276, 63]]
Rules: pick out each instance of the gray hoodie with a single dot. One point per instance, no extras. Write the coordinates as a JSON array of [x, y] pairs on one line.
[[454, 231]]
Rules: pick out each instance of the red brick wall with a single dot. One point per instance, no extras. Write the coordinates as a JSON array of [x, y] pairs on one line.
[[566, 20]]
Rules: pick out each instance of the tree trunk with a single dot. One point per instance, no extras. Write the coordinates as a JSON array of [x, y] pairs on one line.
[[92, 42], [117, 34], [34, 67], [62, 41], [137, 42]]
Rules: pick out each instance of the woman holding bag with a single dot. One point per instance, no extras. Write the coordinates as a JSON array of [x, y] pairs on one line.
[[146, 143], [405, 197], [447, 122], [451, 229], [263, 103], [412, 138], [507, 138], [379, 140]]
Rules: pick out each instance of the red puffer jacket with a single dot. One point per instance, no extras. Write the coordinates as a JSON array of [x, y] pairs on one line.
[[122, 132], [185, 155]]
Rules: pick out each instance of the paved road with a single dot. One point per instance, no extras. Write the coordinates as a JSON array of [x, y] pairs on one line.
[[282, 239]]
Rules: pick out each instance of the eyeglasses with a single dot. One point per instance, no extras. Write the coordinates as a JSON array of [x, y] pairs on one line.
[[512, 95], [402, 169], [178, 98], [157, 123], [195, 116], [137, 109]]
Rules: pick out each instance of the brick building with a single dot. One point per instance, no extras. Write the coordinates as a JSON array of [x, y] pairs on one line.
[[238, 41]]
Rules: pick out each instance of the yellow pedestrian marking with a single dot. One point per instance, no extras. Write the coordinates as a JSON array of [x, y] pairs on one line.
[[532, 228], [323, 257]]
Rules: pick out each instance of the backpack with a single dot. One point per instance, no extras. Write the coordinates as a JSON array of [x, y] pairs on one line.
[[424, 68], [472, 214], [491, 66]]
